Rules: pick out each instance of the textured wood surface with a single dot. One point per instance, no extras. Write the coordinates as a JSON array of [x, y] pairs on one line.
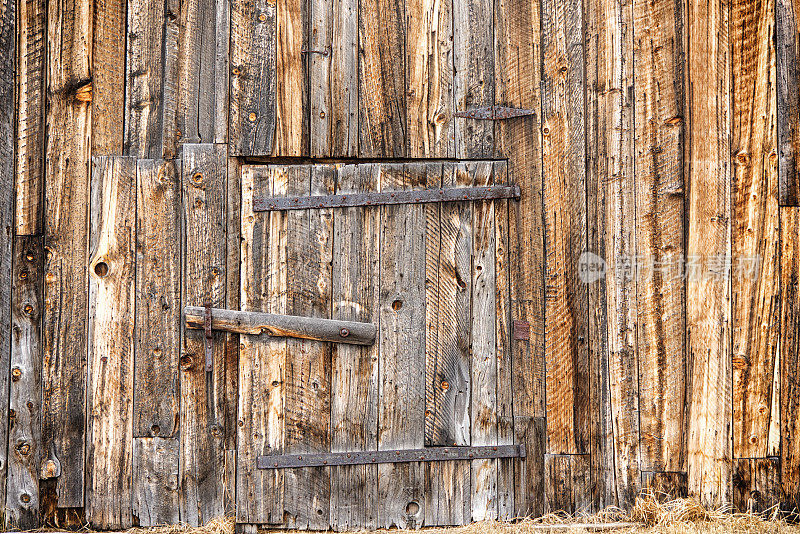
[[107, 89], [787, 41], [154, 500], [790, 358], [112, 272]]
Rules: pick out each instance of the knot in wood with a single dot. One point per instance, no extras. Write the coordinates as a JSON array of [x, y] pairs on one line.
[[16, 374]]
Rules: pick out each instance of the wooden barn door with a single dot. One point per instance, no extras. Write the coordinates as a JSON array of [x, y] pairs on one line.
[[433, 278]]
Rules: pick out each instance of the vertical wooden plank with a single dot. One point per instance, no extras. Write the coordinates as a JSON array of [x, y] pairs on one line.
[[158, 299], [333, 78], [202, 95], [401, 408], [354, 383], [25, 431], [429, 78], [790, 358], [112, 271], [567, 484], [756, 485], [262, 360], [107, 92], [308, 363], [755, 306], [151, 77], [473, 84], [707, 161], [447, 366], [232, 298], [483, 349], [660, 198], [518, 70], [203, 408], [381, 78], [251, 125], [155, 481], [291, 90], [665, 485], [66, 242], [30, 71], [787, 13], [563, 157]]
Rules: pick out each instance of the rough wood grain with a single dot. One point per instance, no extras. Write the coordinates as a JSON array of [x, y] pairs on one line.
[[517, 74], [158, 299], [155, 481], [755, 242], [756, 485], [291, 86], [203, 407], [333, 78], [30, 95], [665, 486], [308, 363], [112, 271], [473, 83], [660, 343], [567, 483], [151, 79], [294, 326], [563, 157], [25, 431], [251, 126], [401, 383], [790, 358], [354, 381], [202, 85], [429, 78], [259, 493], [233, 289], [787, 13], [381, 79], [66, 216], [708, 176], [107, 92]]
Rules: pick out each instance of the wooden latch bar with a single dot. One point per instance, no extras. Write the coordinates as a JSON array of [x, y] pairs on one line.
[[493, 113], [422, 196], [247, 322], [431, 454]]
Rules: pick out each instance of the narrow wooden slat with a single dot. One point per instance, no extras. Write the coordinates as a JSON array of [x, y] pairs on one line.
[[354, 381], [151, 76], [429, 79], [473, 83], [308, 363], [155, 481], [232, 299], [787, 14], [158, 299], [660, 235], [381, 79], [517, 78], [708, 176], [108, 76], [30, 71], [202, 84], [567, 483], [790, 358], [64, 323], [252, 89], [112, 271], [483, 350], [203, 408], [755, 241], [756, 484], [401, 407], [25, 431], [262, 362], [333, 78], [294, 326], [291, 86], [563, 157]]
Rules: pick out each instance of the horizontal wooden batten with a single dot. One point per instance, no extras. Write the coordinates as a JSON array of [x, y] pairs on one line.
[[430, 454], [255, 323], [385, 198]]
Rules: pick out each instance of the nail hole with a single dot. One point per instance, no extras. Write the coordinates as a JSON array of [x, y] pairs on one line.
[[412, 508], [101, 269], [397, 304], [155, 429]]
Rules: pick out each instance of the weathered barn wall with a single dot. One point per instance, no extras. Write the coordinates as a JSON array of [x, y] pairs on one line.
[[662, 136]]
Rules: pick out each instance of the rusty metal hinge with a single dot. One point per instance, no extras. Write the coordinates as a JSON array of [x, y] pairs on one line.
[[494, 113], [430, 454]]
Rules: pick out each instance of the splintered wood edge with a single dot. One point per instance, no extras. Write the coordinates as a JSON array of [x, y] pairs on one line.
[[256, 323]]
